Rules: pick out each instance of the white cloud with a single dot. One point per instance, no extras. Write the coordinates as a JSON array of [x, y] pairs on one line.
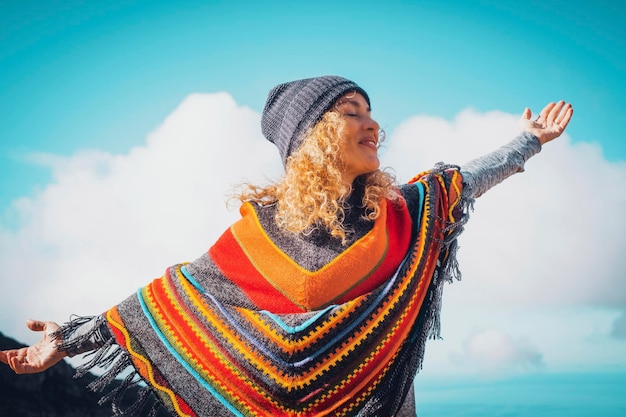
[[549, 238], [108, 224]]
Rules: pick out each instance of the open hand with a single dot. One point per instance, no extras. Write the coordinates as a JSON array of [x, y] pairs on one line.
[[550, 123], [36, 358]]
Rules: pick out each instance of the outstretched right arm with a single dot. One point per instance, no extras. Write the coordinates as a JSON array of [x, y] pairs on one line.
[[481, 174]]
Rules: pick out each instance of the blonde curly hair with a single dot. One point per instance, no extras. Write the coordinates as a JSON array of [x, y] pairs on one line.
[[312, 192]]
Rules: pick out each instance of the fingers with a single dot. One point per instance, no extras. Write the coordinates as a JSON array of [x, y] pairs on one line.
[[19, 364], [527, 114], [6, 356], [568, 115], [555, 112], [560, 115], [41, 326], [565, 115], [546, 111], [14, 362], [14, 359], [36, 325]]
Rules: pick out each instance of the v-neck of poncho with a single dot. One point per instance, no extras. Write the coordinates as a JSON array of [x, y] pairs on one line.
[[274, 280]]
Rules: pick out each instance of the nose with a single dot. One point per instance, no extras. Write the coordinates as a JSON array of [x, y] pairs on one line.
[[371, 124]]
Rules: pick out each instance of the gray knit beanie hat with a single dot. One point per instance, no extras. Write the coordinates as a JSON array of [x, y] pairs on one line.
[[294, 107]]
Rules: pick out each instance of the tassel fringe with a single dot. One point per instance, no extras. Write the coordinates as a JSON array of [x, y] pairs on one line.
[[86, 334], [447, 270]]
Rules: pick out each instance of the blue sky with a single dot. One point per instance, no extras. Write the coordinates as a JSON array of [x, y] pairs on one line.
[[92, 93], [88, 74]]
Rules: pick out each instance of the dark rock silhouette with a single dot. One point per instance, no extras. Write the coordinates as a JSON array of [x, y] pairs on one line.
[[53, 393]]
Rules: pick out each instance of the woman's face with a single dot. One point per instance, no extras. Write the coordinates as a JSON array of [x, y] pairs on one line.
[[359, 142]]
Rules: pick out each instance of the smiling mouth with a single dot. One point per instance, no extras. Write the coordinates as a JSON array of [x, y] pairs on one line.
[[370, 143]]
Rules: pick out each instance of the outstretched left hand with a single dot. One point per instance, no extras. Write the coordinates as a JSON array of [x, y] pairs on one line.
[[550, 123], [38, 357]]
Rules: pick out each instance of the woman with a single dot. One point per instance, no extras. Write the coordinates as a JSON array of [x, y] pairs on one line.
[[318, 301]]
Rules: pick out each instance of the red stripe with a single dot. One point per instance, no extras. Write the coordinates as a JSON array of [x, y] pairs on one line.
[[235, 265], [233, 386]]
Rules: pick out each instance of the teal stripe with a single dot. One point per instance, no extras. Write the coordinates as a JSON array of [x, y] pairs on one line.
[[181, 360], [191, 279], [301, 327], [420, 204]]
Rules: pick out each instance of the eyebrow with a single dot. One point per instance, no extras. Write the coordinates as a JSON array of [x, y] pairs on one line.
[[354, 103]]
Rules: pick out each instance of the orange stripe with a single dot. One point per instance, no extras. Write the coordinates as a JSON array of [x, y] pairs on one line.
[[259, 322], [311, 289], [144, 364]]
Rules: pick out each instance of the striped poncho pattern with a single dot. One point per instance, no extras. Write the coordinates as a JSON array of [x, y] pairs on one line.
[[343, 340]]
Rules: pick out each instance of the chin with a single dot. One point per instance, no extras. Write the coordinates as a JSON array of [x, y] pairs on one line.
[[370, 171]]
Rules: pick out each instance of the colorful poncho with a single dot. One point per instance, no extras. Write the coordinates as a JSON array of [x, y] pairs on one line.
[[248, 331]]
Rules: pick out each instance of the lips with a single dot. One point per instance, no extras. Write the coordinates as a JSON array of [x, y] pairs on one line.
[[370, 142]]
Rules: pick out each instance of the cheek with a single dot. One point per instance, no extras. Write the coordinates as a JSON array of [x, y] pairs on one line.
[[349, 129]]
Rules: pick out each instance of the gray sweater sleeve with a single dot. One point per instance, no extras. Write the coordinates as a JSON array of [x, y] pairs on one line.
[[480, 174]]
